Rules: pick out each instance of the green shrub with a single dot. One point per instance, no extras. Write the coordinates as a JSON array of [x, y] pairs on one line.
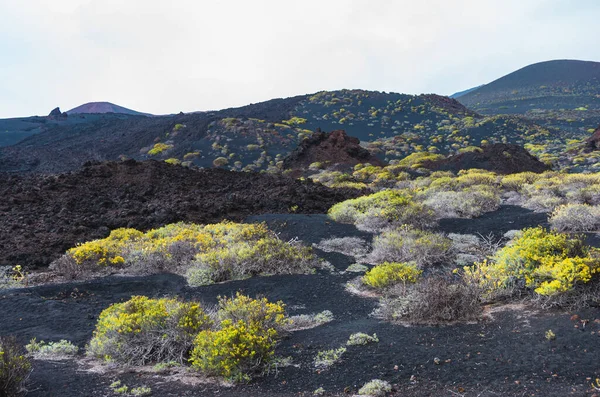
[[265, 256], [306, 321], [360, 338], [357, 268], [375, 388], [385, 208], [327, 358], [416, 160], [434, 300], [173, 161], [220, 162], [204, 253], [144, 330], [52, 350], [388, 274], [575, 218], [253, 311], [548, 262], [351, 246], [468, 203], [14, 368], [408, 244], [158, 148]]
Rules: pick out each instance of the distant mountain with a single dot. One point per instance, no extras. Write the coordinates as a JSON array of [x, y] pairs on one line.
[[258, 137], [461, 93], [562, 93], [104, 107]]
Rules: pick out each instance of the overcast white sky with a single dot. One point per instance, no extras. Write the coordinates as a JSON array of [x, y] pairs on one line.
[[178, 55]]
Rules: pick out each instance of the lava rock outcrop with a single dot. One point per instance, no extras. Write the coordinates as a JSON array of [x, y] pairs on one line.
[[499, 157], [43, 215], [334, 148]]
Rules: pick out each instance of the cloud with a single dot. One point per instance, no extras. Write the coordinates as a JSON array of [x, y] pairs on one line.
[[163, 57]]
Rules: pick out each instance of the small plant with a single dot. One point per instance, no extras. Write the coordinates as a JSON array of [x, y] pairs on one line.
[[360, 338], [12, 277], [306, 321], [14, 367], [388, 274], [220, 161], [350, 246], [165, 366], [434, 300], [327, 358], [382, 209], [357, 268], [259, 312], [119, 388], [140, 391], [319, 392], [158, 148], [550, 335], [53, 350], [375, 388], [406, 244]]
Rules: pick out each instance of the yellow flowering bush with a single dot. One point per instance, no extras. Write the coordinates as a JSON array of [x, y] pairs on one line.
[[237, 340], [107, 251], [388, 274], [144, 330], [235, 351], [547, 261], [381, 209], [253, 311], [245, 341], [158, 148], [217, 252]]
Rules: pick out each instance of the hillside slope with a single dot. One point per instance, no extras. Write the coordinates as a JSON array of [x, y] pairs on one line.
[[259, 136], [560, 93]]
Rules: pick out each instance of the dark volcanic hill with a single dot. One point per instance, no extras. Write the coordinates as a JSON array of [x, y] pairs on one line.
[[42, 216], [259, 136], [104, 107], [560, 93]]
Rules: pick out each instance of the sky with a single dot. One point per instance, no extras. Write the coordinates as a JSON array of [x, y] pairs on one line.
[[168, 56]]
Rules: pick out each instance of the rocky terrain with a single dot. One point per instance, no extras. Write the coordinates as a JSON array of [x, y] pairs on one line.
[[499, 158], [45, 215], [334, 148]]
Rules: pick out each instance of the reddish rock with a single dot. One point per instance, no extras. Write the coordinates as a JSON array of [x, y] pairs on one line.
[[593, 142], [334, 148]]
